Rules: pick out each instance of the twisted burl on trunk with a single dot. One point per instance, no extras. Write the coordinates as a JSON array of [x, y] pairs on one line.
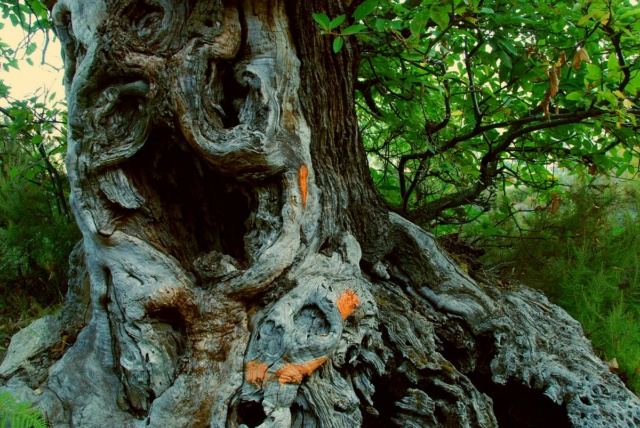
[[238, 267]]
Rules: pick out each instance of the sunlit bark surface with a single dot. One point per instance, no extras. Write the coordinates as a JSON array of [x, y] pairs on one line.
[[238, 267]]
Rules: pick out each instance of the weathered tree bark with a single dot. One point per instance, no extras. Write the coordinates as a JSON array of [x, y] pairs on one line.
[[238, 266]]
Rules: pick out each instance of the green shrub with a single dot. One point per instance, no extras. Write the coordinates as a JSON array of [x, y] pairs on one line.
[[37, 233], [585, 255], [35, 244]]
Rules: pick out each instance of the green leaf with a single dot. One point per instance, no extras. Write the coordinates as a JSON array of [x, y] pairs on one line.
[[31, 48], [507, 46], [419, 23], [365, 9], [575, 96], [634, 83], [39, 9], [635, 10], [593, 72], [337, 44], [440, 15], [608, 96], [353, 29], [586, 17], [335, 23], [322, 19], [42, 23], [612, 63], [381, 24], [505, 59], [58, 150], [388, 187]]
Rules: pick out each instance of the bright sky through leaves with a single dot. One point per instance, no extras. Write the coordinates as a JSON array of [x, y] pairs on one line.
[[28, 79]]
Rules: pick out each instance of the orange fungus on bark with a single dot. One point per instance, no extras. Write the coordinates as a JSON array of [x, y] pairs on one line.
[[303, 173], [347, 303], [293, 373], [256, 372]]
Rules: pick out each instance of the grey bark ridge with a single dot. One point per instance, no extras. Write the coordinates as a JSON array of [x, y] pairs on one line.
[[236, 267], [534, 343]]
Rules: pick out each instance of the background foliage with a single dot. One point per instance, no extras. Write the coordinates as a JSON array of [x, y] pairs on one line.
[[37, 231], [586, 257], [463, 99]]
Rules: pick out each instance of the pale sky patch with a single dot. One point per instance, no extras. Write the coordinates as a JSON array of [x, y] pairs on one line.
[[39, 77]]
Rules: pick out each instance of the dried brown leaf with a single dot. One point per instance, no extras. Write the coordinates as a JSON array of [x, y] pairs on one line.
[[530, 49], [581, 56], [555, 203], [545, 108], [563, 59], [584, 55], [554, 86], [554, 81]]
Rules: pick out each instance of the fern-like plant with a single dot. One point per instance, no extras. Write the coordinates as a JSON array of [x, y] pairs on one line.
[[19, 414]]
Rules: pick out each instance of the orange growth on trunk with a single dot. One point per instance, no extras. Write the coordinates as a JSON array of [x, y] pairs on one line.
[[256, 372], [293, 373], [347, 303], [303, 173]]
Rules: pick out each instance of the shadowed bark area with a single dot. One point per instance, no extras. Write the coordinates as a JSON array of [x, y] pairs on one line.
[[238, 267]]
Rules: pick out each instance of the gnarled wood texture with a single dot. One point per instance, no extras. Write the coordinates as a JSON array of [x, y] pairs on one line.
[[238, 267]]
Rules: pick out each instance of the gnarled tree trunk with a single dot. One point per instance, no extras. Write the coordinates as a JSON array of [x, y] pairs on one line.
[[238, 266]]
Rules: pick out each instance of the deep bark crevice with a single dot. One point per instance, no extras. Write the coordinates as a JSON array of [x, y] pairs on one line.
[[390, 388], [234, 98], [514, 405], [519, 406]]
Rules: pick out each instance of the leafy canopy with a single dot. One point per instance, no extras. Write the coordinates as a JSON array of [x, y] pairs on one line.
[[32, 16], [461, 99]]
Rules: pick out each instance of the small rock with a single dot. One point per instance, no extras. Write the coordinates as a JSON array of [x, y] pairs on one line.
[[372, 411], [215, 265], [380, 270], [40, 335]]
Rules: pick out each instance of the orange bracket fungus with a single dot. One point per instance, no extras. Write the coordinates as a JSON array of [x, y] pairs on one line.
[[256, 372], [293, 373], [347, 303], [303, 173]]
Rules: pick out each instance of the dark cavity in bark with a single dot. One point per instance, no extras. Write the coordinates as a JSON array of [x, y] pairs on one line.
[[194, 210]]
